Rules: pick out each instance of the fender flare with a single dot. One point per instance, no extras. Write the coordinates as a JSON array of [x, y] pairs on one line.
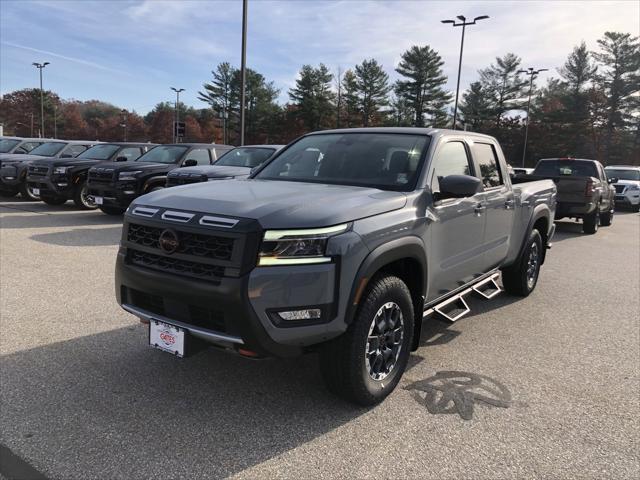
[[409, 247], [160, 179], [539, 211]]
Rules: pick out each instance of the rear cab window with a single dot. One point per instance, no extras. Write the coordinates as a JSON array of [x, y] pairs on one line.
[[566, 168], [490, 172]]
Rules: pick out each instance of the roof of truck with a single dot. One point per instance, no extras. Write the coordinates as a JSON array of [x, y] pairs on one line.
[[628, 167], [411, 130]]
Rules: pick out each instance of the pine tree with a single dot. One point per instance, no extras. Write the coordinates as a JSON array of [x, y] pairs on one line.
[[476, 107], [350, 98], [313, 96], [619, 78], [505, 86], [217, 93], [423, 90], [372, 84]]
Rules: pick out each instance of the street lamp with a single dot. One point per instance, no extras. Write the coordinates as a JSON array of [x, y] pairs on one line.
[[243, 70], [532, 74], [40, 67], [462, 23], [177, 113], [123, 112]]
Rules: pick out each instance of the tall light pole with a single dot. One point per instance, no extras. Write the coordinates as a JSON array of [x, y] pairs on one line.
[[40, 67], [532, 74], [123, 112], [55, 121], [243, 70], [177, 113], [462, 23]]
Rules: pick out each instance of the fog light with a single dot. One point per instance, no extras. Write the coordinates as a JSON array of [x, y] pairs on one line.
[[129, 192], [310, 314], [63, 184], [10, 178]]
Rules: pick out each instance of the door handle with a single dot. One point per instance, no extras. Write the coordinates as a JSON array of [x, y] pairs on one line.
[[479, 208], [509, 204]]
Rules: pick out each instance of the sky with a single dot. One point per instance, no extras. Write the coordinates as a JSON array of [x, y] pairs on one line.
[[130, 53]]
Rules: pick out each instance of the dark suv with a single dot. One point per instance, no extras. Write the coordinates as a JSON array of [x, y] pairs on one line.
[[13, 168], [236, 163], [114, 187], [62, 179]]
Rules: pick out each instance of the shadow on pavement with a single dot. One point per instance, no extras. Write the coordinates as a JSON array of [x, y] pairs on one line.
[[109, 406], [81, 237], [15, 219]]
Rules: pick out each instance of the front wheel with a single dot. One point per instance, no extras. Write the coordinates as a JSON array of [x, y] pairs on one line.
[[112, 210], [635, 208], [365, 364], [27, 193], [521, 278], [82, 198]]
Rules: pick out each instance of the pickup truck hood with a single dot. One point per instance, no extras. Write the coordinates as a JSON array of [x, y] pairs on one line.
[[213, 171], [67, 162], [278, 204], [135, 166], [19, 158]]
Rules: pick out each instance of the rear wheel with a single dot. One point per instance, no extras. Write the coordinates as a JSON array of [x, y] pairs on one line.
[[82, 198], [53, 200], [27, 193], [365, 364], [591, 223], [521, 278], [112, 210], [606, 218]]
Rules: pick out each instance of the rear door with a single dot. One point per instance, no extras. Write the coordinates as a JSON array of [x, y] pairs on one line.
[[498, 200], [456, 232]]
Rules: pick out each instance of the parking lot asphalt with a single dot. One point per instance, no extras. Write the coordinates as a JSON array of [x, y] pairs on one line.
[[557, 375]]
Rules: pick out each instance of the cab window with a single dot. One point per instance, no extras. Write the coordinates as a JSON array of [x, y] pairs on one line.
[[74, 150], [130, 153], [490, 172], [451, 159], [200, 155]]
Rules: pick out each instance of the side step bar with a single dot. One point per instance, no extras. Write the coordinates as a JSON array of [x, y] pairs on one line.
[[455, 307]]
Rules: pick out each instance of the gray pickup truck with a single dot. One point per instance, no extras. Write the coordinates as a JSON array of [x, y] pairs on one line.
[[341, 243]]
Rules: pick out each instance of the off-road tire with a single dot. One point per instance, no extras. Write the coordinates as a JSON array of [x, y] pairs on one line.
[[53, 200], [342, 360], [591, 224], [516, 279], [112, 210], [80, 197]]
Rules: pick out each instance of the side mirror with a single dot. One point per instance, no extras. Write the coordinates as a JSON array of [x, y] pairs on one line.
[[613, 180], [459, 186], [121, 159], [190, 162]]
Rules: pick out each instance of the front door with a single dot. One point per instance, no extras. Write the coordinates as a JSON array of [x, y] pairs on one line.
[[454, 243]]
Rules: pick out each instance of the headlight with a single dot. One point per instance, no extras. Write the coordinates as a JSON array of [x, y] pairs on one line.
[[129, 175], [60, 170], [297, 247], [633, 187]]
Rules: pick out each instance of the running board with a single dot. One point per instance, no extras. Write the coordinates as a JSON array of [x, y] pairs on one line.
[[488, 288], [455, 307]]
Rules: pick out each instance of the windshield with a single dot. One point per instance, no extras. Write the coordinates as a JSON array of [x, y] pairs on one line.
[[48, 149], [163, 154], [7, 145], [621, 174], [245, 157], [99, 152], [388, 161], [566, 168]]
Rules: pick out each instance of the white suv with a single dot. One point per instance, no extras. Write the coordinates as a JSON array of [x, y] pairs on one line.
[[628, 185]]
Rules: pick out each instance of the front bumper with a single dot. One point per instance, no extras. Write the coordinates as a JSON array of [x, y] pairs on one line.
[[57, 186], [628, 198], [115, 194], [10, 177], [236, 312]]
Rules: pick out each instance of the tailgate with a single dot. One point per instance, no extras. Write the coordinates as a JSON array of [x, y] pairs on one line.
[[571, 189]]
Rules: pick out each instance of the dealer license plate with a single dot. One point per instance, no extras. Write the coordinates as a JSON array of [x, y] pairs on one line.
[[98, 200], [166, 337], [35, 191]]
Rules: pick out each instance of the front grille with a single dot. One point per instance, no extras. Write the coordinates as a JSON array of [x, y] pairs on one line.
[[199, 245], [184, 179], [191, 314], [101, 175], [37, 171], [620, 188], [185, 268]]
